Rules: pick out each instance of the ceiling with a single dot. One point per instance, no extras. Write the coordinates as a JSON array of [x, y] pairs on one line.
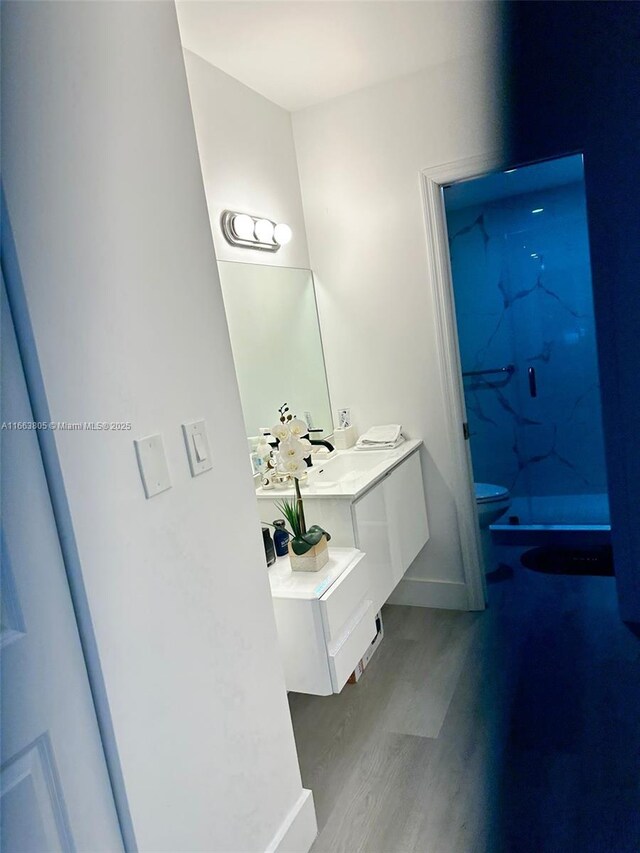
[[298, 53]]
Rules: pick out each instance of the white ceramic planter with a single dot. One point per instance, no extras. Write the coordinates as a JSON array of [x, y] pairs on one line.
[[313, 560]]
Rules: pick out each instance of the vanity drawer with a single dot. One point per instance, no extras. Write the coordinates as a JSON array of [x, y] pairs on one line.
[[350, 648], [339, 604]]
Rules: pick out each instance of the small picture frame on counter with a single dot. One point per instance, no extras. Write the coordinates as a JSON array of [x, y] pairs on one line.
[[344, 418]]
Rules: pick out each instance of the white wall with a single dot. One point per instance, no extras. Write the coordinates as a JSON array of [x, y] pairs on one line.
[[360, 158], [115, 267], [248, 160]]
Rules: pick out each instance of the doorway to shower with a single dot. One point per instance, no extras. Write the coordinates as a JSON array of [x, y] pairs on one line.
[[519, 254]]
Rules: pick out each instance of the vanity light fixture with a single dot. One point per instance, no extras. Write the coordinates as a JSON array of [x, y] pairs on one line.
[[282, 234], [242, 226], [264, 230], [254, 232]]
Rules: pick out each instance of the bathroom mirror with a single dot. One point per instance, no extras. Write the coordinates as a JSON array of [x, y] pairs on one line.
[[277, 348]]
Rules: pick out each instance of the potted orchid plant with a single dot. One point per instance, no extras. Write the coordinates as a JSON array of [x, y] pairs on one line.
[[308, 550]]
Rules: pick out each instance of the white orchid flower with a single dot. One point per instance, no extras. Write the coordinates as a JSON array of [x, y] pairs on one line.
[[297, 428], [291, 449], [306, 445], [293, 467], [280, 431]]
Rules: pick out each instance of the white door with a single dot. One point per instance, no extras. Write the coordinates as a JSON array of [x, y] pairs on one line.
[[55, 793]]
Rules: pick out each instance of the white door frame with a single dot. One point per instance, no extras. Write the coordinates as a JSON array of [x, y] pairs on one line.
[[449, 367]]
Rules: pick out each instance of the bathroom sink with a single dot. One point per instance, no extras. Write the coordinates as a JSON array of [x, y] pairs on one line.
[[348, 466], [347, 474]]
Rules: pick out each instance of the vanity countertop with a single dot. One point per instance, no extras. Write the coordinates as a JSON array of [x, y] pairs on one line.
[[347, 474], [309, 585]]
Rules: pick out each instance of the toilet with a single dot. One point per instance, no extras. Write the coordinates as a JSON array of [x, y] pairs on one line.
[[492, 502]]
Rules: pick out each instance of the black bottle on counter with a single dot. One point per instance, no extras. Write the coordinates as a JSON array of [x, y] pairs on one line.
[[269, 550], [281, 537]]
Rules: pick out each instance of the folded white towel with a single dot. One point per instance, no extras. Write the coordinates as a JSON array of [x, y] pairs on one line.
[[381, 438], [371, 448]]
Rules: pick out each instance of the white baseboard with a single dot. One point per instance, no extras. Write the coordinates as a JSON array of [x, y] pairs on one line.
[[419, 592], [299, 829]]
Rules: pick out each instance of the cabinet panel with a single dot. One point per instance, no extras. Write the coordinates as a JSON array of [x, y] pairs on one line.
[[302, 646], [344, 598], [406, 514], [371, 527], [343, 658]]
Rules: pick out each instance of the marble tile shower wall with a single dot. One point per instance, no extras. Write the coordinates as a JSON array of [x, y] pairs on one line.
[[522, 286]]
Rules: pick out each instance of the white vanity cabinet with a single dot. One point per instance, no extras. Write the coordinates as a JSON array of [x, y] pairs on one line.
[[383, 514], [325, 620], [390, 524]]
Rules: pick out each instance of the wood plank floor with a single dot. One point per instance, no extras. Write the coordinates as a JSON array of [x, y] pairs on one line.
[[516, 729]]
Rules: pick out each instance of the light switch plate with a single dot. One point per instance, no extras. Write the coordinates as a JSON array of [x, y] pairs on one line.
[[153, 465], [195, 438]]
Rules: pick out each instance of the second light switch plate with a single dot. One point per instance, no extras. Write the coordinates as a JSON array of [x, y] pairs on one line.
[[195, 438]]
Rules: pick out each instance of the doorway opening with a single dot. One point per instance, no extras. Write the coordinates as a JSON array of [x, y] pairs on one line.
[[522, 298], [574, 511]]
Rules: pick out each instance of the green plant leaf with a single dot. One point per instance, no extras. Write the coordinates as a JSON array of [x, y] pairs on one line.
[[305, 542], [316, 530], [299, 546], [289, 510], [313, 535]]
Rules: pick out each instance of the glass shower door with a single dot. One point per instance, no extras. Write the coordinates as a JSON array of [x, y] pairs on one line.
[[559, 444]]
